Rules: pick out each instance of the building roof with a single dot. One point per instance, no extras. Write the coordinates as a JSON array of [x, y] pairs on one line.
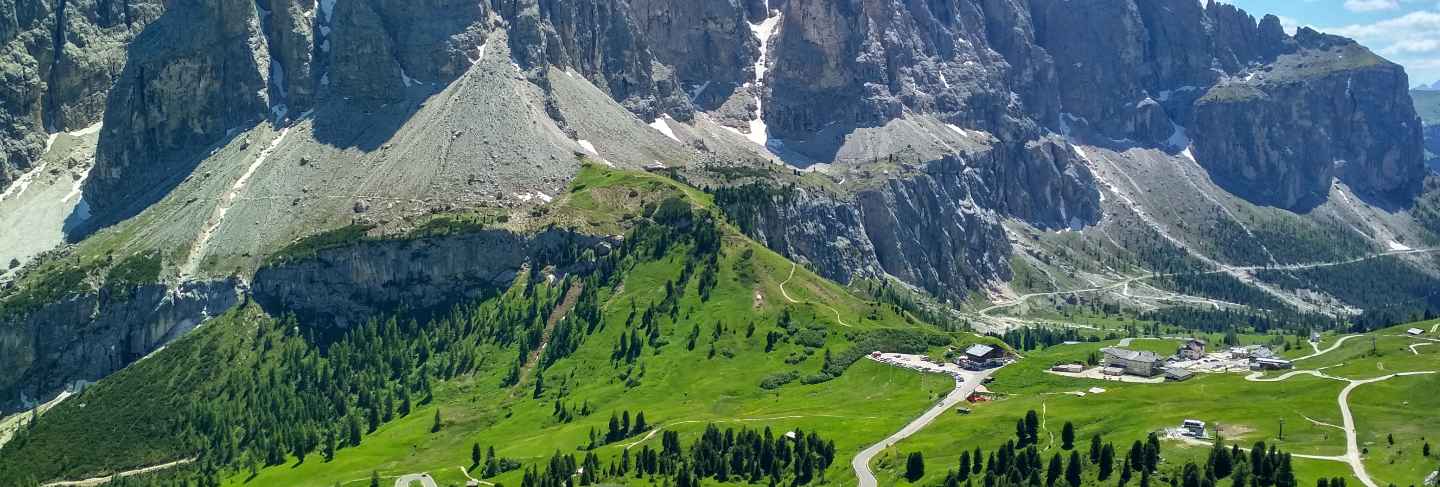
[[1178, 373], [1415, 331], [979, 350], [1128, 354]]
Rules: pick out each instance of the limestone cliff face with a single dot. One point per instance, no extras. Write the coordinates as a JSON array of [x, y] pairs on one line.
[[1280, 135], [866, 62], [61, 58], [937, 228], [86, 336], [1130, 71], [345, 286], [190, 77], [205, 70], [708, 45]]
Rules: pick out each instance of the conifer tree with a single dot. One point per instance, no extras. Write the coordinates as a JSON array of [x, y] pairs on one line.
[[914, 466], [1072, 472], [1053, 473]]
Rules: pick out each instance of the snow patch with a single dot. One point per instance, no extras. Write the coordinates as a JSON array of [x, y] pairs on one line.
[[92, 129], [202, 241], [407, 79], [1398, 247], [759, 132], [1179, 140], [479, 53], [527, 197], [327, 8], [661, 125], [977, 134], [22, 183], [585, 144]]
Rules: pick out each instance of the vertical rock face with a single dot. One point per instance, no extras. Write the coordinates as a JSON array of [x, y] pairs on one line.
[[938, 229], [87, 336], [1279, 136], [862, 63], [345, 286], [206, 68], [601, 40], [707, 44], [61, 57], [192, 75]]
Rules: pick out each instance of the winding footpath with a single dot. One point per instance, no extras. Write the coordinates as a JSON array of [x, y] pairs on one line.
[[963, 389], [786, 294], [128, 473], [1331, 348]]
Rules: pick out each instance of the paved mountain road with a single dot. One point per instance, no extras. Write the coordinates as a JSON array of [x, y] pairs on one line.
[[963, 389], [1222, 269]]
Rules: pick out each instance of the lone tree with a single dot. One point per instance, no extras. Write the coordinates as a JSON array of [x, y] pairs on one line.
[[914, 466], [374, 478], [436, 426], [1067, 436], [474, 455]]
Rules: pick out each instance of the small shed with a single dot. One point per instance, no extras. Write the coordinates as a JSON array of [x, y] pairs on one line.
[[1069, 368], [1415, 331]]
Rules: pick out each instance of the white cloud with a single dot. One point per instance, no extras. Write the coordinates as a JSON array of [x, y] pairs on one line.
[[1412, 46], [1371, 5], [1420, 23]]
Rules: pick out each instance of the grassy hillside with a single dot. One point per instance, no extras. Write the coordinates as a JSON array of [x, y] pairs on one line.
[[256, 397], [1247, 411]]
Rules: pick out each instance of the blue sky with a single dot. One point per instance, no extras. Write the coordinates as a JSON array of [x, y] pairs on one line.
[[1404, 31]]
